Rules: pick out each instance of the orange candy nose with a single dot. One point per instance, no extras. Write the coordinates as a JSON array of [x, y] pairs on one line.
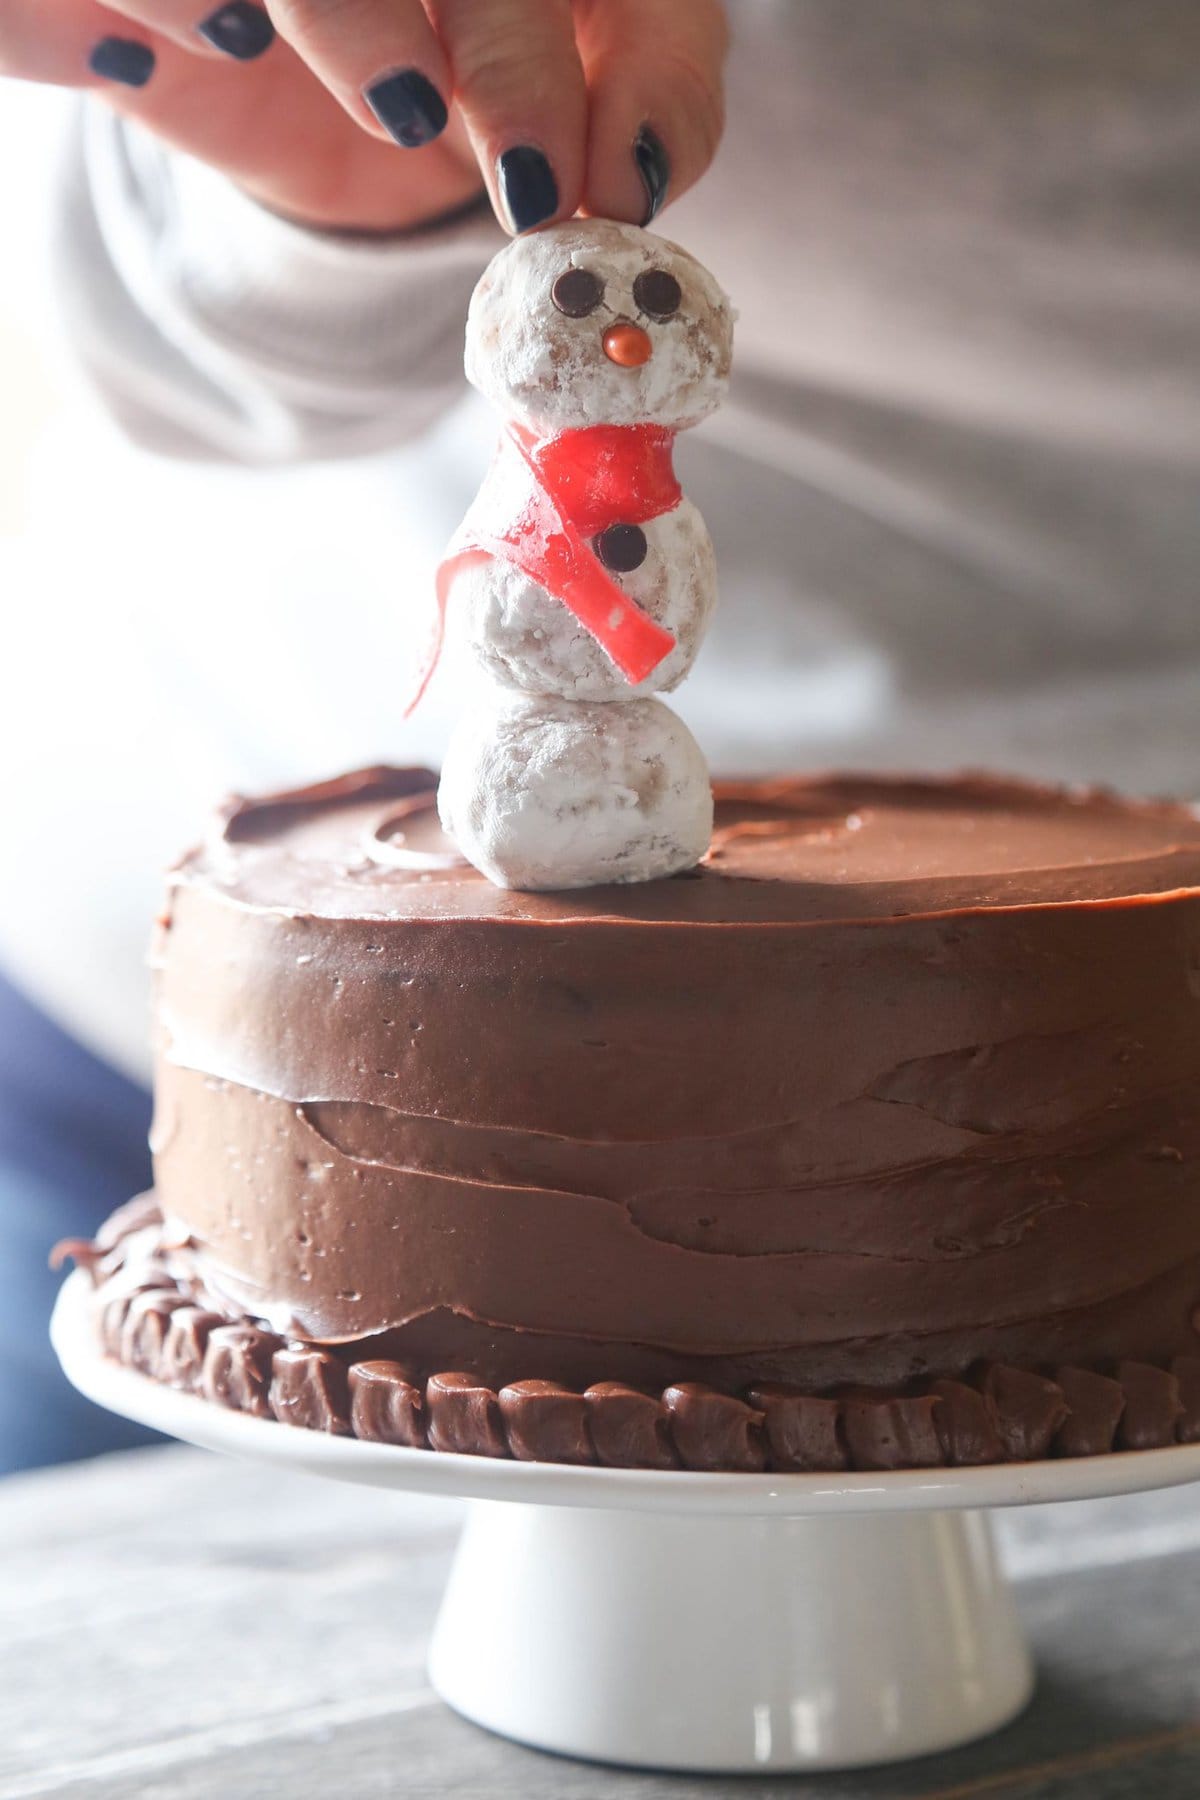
[[628, 345]]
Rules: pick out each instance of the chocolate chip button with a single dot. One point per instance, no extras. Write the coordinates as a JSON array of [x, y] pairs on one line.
[[622, 548]]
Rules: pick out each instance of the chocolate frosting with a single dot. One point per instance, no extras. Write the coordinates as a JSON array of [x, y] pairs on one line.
[[1000, 1414], [966, 1424], [386, 1405], [181, 1363], [1028, 1410], [464, 1416], [310, 1389], [803, 1431], [1153, 1407], [893, 1432], [905, 1076], [713, 1430], [629, 1429], [1094, 1407], [545, 1422], [237, 1368], [1186, 1370]]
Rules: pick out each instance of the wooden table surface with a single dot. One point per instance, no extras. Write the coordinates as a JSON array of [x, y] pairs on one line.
[[174, 1626]]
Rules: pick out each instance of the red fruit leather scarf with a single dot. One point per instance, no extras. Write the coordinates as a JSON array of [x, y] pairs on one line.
[[544, 499]]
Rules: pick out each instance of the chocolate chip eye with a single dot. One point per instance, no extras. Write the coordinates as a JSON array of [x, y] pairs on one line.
[[622, 548], [658, 294], [577, 292]]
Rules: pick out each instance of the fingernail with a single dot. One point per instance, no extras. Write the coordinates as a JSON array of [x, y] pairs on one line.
[[239, 29], [527, 187], [654, 167], [120, 59], [408, 106]]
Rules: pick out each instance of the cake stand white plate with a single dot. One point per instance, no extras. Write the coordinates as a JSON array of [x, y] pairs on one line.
[[690, 1621]]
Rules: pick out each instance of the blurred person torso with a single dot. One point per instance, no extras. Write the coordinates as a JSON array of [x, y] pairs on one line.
[[953, 496]]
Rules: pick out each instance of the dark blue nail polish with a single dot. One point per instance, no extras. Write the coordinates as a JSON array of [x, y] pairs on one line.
[[123, 60], [408, 106], [239, 29], [654, 167], [528, 189]]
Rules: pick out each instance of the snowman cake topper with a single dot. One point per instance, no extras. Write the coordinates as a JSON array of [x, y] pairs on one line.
[[582, 577]]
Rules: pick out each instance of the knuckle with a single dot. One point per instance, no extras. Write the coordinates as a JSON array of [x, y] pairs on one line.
[[701, 96], [319, 20], [502, 52], [720, 29], [494, 64]]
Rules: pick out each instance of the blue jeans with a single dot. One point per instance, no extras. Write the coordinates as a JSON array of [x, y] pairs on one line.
[[72, 1147]]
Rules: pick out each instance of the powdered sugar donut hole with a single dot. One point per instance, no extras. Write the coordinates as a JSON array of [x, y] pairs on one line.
[[549, 369], [544, 794], [526, 639]]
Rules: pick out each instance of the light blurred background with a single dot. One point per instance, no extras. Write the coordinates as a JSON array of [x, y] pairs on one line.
[[124, 572]]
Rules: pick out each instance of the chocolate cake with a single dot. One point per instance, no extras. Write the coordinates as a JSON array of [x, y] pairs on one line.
[[871, 1142]]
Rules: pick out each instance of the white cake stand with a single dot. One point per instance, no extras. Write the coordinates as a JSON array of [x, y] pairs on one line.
[[690, 1621]]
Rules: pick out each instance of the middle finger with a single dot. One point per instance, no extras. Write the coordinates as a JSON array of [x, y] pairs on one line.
[[520, 84]]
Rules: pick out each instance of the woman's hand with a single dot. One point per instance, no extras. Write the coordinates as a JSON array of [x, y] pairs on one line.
[[316, 107]]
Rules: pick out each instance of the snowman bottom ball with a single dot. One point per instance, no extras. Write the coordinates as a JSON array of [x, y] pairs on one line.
[[542, 793]]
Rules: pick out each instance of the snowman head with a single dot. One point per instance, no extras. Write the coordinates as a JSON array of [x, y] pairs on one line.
[[595, 323]]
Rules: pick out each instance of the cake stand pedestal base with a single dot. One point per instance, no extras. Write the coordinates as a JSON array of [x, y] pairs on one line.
[[729, 1643]]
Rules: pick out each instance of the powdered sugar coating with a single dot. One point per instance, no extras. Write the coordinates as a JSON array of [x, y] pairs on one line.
[[551, 372], [526, 639], [550, 793]]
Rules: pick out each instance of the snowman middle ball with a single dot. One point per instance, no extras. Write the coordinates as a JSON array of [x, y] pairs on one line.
[[544, 794], [527, 639]]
